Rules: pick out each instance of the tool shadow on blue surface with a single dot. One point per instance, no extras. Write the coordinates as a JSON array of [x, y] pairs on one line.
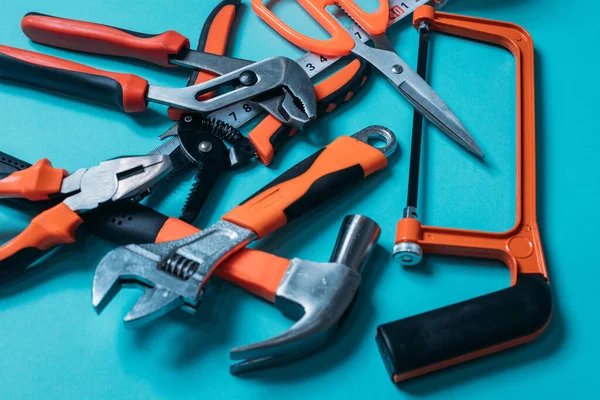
[[209, 327], [56, 265]]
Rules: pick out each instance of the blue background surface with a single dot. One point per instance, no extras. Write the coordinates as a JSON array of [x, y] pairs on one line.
[[53, 345]]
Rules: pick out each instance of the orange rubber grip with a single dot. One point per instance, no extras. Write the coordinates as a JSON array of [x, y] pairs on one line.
[[102, 39], [214, 39], [255, 271], [54, 226], [35, 183], [344, 162], [341, 42], [126, 91]]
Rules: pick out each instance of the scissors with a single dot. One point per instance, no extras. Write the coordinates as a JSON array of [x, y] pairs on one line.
[[383, 57]]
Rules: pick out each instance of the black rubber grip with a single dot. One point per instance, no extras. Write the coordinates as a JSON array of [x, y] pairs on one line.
[[426, 340], [339, 96], [280, 136], [324, 189], [10, 164], [125, 223], [319, 191], [95, 88], [291, 173]]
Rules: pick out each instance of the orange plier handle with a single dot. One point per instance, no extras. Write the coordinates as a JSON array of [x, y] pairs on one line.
[[54, 226]]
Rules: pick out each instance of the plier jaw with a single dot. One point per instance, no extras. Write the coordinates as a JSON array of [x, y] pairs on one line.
[[114, 180]]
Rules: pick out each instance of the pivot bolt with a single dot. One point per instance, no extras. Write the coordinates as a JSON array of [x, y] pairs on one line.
[[397, 69], [407, 253], [248, 78], [205, 147]]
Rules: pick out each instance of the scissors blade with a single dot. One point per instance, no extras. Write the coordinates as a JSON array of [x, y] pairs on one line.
[[418, 92]]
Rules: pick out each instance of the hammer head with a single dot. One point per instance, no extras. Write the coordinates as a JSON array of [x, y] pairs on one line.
[[318, 295]]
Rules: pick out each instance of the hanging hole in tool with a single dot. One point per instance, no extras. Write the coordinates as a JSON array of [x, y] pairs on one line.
[[369, 134], [377, 141], [188, 119]]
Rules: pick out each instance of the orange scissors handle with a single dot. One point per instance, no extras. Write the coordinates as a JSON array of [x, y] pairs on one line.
[[341, 42]]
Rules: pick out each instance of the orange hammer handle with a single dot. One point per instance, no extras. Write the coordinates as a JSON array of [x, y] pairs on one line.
[[255, 271], [346, 161]]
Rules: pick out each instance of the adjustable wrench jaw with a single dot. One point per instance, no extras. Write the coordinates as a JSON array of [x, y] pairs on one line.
[[171, 273], [317, 295]]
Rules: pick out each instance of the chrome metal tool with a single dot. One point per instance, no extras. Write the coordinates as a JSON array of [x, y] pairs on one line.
[[173, 273]]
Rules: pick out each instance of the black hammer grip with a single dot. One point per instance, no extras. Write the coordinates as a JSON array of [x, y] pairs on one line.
[[447, 336]]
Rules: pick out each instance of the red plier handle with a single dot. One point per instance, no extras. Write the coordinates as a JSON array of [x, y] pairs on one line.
[[103, 39]]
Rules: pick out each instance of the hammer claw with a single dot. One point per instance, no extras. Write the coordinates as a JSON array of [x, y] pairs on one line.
[[257, 364], [318, 295], [303, 338]]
